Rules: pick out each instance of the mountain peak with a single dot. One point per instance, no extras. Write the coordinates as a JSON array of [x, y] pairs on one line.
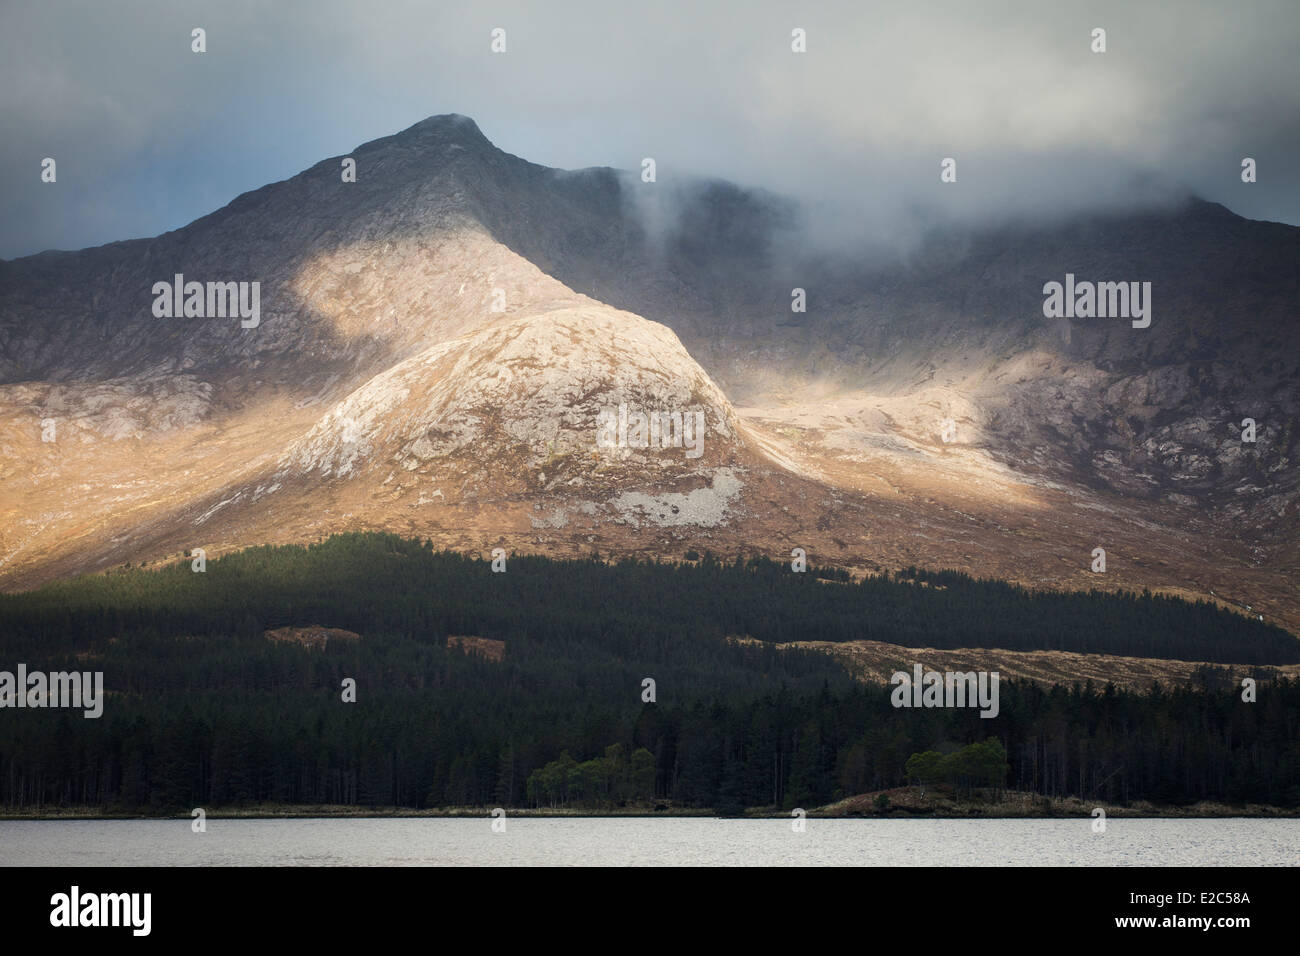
[[447, 127]]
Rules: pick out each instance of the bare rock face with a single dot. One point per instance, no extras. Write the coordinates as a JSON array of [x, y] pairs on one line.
[[532, 388], [465, 346]]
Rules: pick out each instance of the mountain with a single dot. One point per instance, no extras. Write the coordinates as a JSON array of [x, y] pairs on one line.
[[436, 344]]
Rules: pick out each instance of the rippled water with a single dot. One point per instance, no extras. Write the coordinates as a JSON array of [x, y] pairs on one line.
[[638, 842]]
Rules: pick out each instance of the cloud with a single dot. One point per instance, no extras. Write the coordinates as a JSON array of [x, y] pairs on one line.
[[149, 135]]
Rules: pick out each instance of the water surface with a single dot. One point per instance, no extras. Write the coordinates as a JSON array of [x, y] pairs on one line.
[[622, 841]]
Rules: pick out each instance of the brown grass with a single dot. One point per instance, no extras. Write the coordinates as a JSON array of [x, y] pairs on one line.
[[314, 637], [873, 662], [484, 647]]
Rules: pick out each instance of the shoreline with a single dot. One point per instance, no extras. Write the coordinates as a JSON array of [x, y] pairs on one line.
[[1063, 810]]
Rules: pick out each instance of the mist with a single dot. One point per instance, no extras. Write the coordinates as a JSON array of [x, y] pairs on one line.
[[149, 135]]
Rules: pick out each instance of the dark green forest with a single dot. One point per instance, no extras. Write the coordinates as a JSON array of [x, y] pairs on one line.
[[202, 710]]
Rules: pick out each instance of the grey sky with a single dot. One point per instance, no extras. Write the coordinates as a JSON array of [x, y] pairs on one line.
[[148, 135]]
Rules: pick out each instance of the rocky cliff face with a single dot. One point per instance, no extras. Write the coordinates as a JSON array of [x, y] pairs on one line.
[[441, 345]]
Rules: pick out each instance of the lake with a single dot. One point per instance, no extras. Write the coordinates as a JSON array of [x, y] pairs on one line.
[[624, 841]]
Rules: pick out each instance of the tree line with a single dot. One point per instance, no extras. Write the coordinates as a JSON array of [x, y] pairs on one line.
[[381, 583], [203, 710]]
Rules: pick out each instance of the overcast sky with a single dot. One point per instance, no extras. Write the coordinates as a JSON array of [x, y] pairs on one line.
[[148, 135]]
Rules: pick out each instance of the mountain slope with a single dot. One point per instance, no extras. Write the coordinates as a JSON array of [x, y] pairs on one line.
[[438, 340]]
